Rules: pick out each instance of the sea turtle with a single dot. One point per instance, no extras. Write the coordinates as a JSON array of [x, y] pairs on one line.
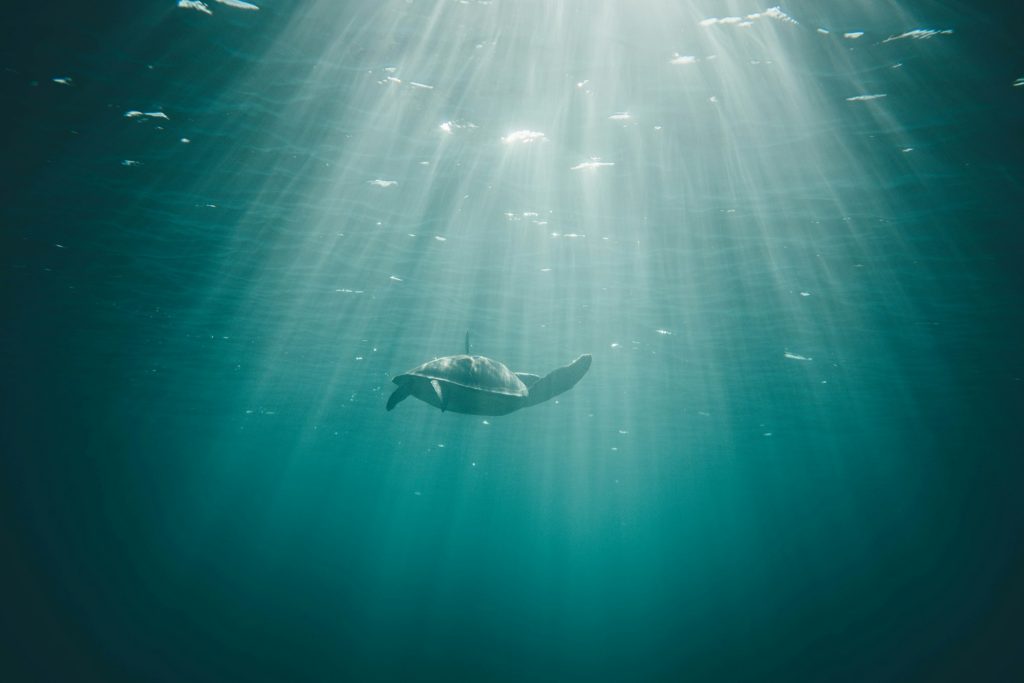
[[477, 385]]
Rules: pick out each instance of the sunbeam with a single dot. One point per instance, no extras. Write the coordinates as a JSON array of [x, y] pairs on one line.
[[787, 236]]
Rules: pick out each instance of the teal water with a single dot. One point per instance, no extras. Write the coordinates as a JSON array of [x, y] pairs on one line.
[[794, 254]]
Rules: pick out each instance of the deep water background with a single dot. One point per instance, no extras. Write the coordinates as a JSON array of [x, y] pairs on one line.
[[797, 455]]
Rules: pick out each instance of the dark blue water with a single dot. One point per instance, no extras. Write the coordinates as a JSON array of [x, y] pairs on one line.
[[790, 238]]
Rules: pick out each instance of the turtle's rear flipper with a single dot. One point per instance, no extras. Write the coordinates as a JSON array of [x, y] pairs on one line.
[[399, 395], [558, 381]]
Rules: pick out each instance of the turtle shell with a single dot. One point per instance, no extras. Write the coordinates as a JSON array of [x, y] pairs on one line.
[[477, 373]]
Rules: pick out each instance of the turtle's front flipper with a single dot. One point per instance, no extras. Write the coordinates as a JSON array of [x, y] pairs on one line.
[[558, 381], [399, 395], [441, 396]]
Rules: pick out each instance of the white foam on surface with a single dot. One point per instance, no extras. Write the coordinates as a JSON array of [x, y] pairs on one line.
[[452, 126], [378, 182], [523, 136], [62, 80], [920, 34], [713, 21], [853, 35], [136, 114], [866, 98], [682, 59], [621, 116], [239, 4], [774, 13], [588, 165], [1019, 82], [795, 356], [196, 5]]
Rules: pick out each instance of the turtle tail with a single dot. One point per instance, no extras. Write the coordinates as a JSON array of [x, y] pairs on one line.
[[558, 381]]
